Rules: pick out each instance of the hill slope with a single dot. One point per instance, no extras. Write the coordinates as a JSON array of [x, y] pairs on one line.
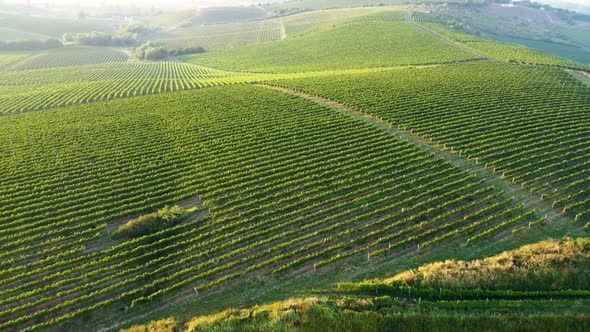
[[356, 307], [372, 44]]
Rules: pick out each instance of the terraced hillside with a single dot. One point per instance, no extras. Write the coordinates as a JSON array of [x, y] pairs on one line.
[[527, 124], [299, 193]]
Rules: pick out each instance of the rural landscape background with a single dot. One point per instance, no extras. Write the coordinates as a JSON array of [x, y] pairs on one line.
[[306, 165]]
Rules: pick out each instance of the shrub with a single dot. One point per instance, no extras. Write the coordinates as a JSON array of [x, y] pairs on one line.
[[151, 223]]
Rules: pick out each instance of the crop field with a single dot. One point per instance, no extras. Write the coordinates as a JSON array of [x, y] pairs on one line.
[[425, 18], [70, 56], [29, 90], [223, 36], [348, 187], [322, 4], [371, 44], [300, 23], [220, 15], [310, 147], [528, 124], [40, 89], [503, 52], [6, 58]]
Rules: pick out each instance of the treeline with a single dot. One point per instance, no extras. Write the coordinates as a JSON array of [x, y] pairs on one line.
[[30, 45], [152, 52], [128, 35]]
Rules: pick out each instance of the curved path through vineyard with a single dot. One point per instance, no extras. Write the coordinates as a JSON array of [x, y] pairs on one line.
[[520, 195], [409, 20]]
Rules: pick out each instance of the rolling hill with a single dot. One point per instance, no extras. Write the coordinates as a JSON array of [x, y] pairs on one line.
[[331, 169]]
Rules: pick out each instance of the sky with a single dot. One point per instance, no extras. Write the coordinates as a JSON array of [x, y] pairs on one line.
[[209, 3]]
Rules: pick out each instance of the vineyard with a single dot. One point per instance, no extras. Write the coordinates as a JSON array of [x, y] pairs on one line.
[[422, 17], [529, 125], [318, 188], [222, 36], [437, 296], [498, 51], [7, 58], [301, 23], [70, 56], [371, 44], [33, 90], [302, 149], [22, 91]]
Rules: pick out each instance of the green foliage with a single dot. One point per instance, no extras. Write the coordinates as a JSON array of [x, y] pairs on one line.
[[70, 56], [503, 52], [320, 187], [40, 89], [152, 223], [30, 45], [308, 21], [220, 15], [219, 36], [102, 39], [359, 314], [9, 57], [374, 44], [150, 52], [526, 124]]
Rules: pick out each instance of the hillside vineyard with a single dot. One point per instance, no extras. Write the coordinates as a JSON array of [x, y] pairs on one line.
[[529, 125], [277, 167], [295, 193]]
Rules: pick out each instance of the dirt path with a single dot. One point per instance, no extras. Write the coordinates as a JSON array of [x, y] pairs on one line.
[[510, 189], [444, 39], [283, 29]]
